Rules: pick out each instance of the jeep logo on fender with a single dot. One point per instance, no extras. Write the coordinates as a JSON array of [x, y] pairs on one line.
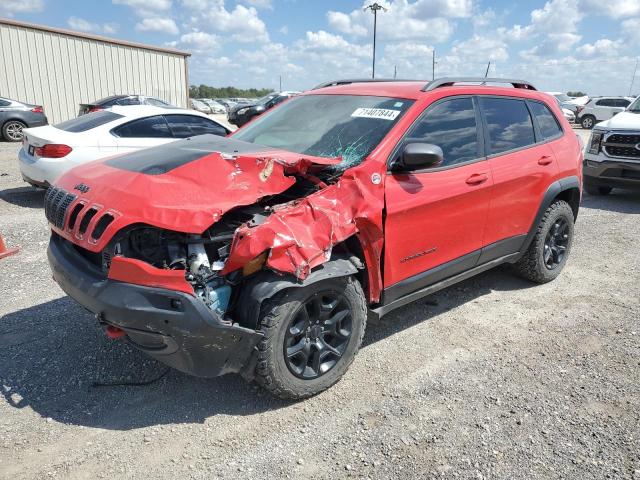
[[82, 188]]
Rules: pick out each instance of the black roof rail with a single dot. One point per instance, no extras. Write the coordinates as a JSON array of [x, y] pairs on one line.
[[450, 81], [333, 83]]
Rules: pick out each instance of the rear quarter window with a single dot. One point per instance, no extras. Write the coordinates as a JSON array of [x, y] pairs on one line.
[[88, 121], [509, 124], [547, 122]]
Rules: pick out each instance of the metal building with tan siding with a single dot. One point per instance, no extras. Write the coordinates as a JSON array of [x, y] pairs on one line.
[[60, 69]]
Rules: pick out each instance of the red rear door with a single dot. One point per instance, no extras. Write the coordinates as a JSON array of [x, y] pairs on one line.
[[435, 218], [522, 164]]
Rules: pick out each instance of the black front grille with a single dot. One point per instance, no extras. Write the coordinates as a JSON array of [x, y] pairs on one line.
[[617, 151], [56, 204], [633, 139]]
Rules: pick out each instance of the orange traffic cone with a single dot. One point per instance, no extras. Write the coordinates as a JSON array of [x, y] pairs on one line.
[[4, 251]]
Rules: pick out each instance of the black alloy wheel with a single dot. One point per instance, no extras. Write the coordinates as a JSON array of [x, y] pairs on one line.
[[556, 243], [318, 335]]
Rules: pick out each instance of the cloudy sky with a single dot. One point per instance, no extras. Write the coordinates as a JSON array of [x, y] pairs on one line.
[[588, 45]]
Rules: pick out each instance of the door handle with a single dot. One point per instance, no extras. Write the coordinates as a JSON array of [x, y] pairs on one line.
[[545, 160], [477, 179]]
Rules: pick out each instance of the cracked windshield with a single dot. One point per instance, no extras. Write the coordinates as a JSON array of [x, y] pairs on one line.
[[347, 126]]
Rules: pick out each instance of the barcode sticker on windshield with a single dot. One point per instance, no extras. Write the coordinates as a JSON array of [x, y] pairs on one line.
[[381, 113]]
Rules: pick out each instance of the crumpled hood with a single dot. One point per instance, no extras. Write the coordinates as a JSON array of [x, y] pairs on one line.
[[623, 121], [184, 186]]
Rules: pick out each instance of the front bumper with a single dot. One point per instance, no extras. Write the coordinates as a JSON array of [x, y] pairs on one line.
[[173, 327], [611, 172]]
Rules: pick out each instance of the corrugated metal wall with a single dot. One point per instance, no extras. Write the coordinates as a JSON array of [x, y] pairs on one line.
[[61, 71]]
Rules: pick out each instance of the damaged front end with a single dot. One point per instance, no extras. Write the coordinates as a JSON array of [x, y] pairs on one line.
[[173, 265]]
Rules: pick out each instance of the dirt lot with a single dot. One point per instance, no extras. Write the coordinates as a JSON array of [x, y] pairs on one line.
[[494, 378]]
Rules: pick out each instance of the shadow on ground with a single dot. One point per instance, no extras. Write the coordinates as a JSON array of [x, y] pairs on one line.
[[29, 197], [620, 201], [52, 354]]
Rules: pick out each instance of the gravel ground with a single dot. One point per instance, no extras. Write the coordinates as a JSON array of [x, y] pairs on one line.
[[493, 378]]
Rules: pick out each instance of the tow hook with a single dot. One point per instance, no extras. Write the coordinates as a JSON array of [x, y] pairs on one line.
[[114, 333]]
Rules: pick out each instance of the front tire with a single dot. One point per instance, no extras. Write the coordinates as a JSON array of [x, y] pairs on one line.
[[311, 336], [546, 256], [12, 130]]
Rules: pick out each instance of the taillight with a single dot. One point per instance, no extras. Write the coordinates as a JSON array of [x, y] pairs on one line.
[[53, 150], [94, 109], [37, 110]]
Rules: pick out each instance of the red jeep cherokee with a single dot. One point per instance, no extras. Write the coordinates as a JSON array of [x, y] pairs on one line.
[[265, 252]]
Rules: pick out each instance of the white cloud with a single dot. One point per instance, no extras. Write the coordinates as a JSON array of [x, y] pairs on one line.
[[11, 7], [614, 8], [631, 29], [83, 25], [146, 8], [480, 49], [484, 19], [284, 30], [420, 20], [266, 4], [600, 48], [161, 25], [242, 23], [200, 41]]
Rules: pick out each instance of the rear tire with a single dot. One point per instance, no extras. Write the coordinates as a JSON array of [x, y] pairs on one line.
[[588, 121], [546, 256], [299, 355], [596, 190], [12, 130]]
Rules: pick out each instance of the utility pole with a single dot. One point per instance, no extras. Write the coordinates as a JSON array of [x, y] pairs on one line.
[[374, 7], [433, 65], [633, 78], [486, 74], [395, 71]]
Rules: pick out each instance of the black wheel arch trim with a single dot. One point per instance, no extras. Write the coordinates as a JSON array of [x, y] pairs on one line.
[[555, 189], [267, 283]]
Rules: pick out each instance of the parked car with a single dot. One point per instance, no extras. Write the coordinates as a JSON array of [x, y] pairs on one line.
[[121, 100], [228, 104], [214, 106], [565, 101], [598, 109], [199, 106], [241, 114], [568, 114], [15, 116], [266, 252], [612, 159], [49, 151]]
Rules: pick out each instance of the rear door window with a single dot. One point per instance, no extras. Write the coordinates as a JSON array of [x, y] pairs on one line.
[[149, 127], [184, 126], [451, 125], [88, 121], [606, 102], [509, 124], [547, 122]]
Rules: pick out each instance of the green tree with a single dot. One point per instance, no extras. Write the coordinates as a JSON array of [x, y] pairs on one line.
[[576, 94], [205, 91]]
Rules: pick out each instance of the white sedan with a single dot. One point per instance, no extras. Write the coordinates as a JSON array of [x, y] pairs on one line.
[[49, 151]]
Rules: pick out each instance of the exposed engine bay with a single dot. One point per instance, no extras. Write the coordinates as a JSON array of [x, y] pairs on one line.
[[202, 257]]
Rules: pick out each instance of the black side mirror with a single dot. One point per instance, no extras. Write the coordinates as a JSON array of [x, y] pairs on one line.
[[416, 156]]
